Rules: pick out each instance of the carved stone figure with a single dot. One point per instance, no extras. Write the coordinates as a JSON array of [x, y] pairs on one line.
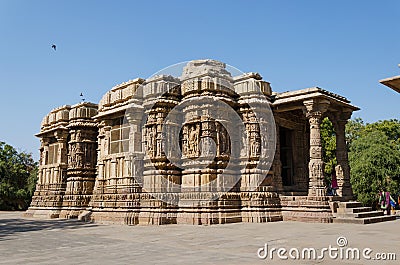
[[254, 147], [223, 141], [193, 140]]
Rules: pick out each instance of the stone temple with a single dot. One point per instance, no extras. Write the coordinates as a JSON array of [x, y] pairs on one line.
[[109, 162]]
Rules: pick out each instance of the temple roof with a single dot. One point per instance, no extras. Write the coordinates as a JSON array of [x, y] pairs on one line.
[[59, 118], [392, 82], [294, 99]]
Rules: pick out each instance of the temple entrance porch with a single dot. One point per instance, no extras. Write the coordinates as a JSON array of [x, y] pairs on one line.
[[298, 115]]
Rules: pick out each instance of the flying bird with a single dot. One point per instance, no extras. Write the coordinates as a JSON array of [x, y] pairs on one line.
[[81, 95], [54, 47]]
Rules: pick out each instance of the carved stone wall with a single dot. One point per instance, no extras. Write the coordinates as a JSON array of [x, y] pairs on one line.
[[162, 151]]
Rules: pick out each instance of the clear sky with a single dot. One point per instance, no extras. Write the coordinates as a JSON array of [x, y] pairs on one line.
[[342, 46]]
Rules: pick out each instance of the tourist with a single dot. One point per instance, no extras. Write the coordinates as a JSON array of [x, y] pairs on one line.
[[386, 201], [334, 185], [398, 200]]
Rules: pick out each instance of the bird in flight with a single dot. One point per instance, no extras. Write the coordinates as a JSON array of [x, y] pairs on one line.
[[54, 47]]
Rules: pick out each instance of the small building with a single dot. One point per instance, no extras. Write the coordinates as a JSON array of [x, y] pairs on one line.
[[205, 147]]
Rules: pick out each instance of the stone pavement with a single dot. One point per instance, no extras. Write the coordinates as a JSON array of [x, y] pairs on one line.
[[33, 241]]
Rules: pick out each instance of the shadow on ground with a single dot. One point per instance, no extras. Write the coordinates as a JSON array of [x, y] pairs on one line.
[[13, 226]]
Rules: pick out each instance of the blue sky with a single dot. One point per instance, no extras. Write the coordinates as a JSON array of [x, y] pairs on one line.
[[341, 46]]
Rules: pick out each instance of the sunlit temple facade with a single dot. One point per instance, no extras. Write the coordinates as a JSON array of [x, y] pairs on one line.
[[108, 163]]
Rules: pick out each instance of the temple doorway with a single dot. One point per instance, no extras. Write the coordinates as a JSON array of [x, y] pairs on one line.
[[286, 152]]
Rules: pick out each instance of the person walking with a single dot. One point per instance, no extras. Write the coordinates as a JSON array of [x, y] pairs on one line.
[[334, 185], [386, 201]]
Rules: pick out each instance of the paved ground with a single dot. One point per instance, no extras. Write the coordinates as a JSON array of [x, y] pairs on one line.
[[33, 241]]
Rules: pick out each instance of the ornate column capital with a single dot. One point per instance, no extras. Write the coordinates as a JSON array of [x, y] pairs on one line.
[[342, 116], [104, 126], [134, 115], [61, 136], [339, 119], [315, 108], [45, 141], [105, 123]]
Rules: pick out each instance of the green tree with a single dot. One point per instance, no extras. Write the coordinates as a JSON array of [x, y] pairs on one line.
[[328, 142], [18, 175], [374, 158], [391, 128], [353, 130]]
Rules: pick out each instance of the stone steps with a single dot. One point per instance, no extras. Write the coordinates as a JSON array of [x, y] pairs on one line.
[[355, 213], [368, 214], [350, 205], [369, 220], [360, 215], [362, 209]]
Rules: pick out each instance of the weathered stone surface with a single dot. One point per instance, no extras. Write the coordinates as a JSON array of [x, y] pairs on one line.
[[162, 151]]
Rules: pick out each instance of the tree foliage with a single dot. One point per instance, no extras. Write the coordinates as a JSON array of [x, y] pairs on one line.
[[374, 157], [18, 175], [328, 141]]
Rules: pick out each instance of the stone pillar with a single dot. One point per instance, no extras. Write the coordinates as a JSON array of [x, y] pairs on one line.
[[44, 153], [134, 118], [277, 164], [61, 137], [62, 158], [342, 169], [100, 178], [46, 143], [314, 109], [300, 168]]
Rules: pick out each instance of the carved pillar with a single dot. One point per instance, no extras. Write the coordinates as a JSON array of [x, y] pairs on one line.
[[277, 164], [106, 124], [61, 137], [46, 142], [314, 109], [99, 183], [62, 155], [300, 169], [342, 169], [44, 149], [134, 118]]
